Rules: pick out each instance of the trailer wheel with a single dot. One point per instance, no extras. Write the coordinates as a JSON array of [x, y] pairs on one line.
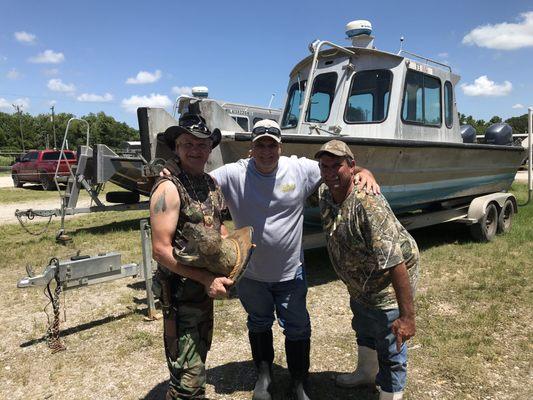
[[505, 218], [485, 229]]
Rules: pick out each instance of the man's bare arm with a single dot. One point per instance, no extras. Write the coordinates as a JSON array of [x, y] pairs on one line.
[[164, 214], [404, 327], [365, 180]]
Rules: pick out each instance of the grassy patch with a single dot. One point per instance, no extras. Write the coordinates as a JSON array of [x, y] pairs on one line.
[[473, 336]]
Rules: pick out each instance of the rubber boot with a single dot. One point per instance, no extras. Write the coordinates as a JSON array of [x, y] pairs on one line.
[[365, 373], [297, 352], [390, 396], [263, 356]]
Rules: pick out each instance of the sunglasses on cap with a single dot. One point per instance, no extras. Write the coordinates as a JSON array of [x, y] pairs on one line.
[[261, 130], [195, 123]]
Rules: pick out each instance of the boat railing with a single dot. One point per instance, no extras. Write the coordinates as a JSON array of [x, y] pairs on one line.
[[426, 59], [315, 48]]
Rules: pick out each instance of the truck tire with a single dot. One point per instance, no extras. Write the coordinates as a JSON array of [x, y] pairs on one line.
[[485, 229], [16, 181], [46, 182], [505, 218]]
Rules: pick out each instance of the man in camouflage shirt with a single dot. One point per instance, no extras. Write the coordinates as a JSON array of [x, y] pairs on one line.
[[188, 196], [377, 259]]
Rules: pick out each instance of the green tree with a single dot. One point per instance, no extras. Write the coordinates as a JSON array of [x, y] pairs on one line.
[[519, 124]]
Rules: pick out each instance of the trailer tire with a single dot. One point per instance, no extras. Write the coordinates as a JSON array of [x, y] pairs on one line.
[[122, 197], [505, 219], [485, 229]]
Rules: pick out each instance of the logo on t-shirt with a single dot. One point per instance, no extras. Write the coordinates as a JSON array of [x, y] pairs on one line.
[[287, 187]]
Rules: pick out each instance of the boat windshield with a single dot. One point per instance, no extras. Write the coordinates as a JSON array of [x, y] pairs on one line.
[[292, 109], [368, 101]]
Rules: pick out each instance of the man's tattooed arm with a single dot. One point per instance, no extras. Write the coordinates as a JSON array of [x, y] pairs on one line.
[[160, 204]]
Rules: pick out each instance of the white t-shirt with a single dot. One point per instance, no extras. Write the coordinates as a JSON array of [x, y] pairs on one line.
[[273, 205]]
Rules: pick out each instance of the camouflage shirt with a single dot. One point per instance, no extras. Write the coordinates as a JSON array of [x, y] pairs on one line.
[[364, 239]]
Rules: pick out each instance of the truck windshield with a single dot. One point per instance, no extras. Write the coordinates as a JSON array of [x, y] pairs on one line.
[[292, 109]]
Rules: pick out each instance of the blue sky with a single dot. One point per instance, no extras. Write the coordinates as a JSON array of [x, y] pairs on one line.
[[114, 55]]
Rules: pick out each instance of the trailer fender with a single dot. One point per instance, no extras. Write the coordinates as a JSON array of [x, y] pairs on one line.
[[477, 207]]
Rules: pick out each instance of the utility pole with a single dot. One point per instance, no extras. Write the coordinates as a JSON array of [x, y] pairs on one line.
[[54, 127], [19, 112]]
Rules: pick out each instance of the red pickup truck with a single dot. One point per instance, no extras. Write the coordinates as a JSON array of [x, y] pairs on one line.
[[39, 166]]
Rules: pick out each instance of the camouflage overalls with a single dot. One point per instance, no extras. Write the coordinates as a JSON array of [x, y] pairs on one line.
[[187, 309]]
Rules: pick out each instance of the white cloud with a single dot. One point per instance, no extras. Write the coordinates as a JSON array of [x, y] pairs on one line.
[[25, 37], [52, 103], [7, 105], [95, 98], [518, 105], [57, 85], [13, 74], [182, 90], [144, 77], [503, 36], [482, 86], [48, 57], [51, 72], [443, 55], [154, 100]]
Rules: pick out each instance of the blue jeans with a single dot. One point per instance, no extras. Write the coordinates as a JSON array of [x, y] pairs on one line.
[[373, 329], [287, 299]]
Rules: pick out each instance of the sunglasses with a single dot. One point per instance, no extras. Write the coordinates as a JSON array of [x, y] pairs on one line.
[[194, 123], [261, 130]]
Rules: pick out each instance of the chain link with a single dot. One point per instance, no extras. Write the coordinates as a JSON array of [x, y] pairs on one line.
[[53, 331]]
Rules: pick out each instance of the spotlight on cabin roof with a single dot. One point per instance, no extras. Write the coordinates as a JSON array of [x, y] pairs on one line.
[[360, 33], [200, 91]]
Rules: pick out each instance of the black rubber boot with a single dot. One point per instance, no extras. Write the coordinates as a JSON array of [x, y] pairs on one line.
[[263, 356], [298, 363]]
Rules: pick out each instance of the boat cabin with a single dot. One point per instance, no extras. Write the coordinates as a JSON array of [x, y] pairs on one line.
[[363, 92]]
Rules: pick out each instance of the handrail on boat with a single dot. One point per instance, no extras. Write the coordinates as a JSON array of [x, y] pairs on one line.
[[425, 59], [316, 50]]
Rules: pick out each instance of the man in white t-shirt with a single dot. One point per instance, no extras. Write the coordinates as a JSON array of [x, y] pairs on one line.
[[268, 192]]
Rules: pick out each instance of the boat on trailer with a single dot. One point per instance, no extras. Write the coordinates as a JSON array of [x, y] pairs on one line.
[[397, 112]]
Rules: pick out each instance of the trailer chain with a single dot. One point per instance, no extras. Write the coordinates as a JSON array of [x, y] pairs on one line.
[[53, 331], [31, 215]]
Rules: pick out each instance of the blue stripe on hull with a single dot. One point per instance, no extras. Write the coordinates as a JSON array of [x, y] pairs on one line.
[[410, 197], [403, 197]]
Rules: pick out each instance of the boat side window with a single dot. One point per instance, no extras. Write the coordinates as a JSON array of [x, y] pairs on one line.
[[448, 104], [242, 121], [422, 99], [292, 109], [368, 101], [322, 97]]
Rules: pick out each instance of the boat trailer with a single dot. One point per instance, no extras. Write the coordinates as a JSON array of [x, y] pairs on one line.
[[85, 270]]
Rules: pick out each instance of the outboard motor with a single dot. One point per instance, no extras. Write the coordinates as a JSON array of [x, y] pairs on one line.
[[500, 133], [468, 133]]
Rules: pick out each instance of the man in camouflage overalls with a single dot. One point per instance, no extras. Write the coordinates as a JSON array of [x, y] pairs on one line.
[[188, 195], [377, 259]]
